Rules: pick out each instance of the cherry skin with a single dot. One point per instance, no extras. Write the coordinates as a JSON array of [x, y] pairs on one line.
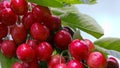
[[56, 59], [78, 49], [8, 48], [28, 20], [68, 29], [62, 65], [112, 63], [44, 51], [96, 59], [25, 53], [39, 32], [19, 33], [8, 17], [75, 64], [62, 39], [40, 13], [17, 65], [90, 45], [3, 30], [32, 43], [20, 7]]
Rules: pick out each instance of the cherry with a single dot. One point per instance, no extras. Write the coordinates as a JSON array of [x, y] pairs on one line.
[[62, 39], [90, 45], [17, 65], [25, 53], [39, 32], [78, 49], [1, 40], [68, 29], [62, 65], [4, 4], [8, 48], [32, 43], [53, 22], [28, 20], [56, 59], [20, 7], [8, 17], [112, 63], [40, 12], [96, 59], [3, 30], [44, 51], [75, 64], [19, 33]]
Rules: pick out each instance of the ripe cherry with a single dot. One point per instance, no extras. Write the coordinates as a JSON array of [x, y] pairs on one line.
[[32, 43], [90, 45], [44, 51], [75, 64], [40, 13], [28, 20], [62, 39], [3, 30], [56, 59], [8, 48], [18, 33], [96, 59], [25, 53], [62, 65], [78, 49], [68, 29], [20, 7], [8, 17], [39, 32], [112, 63], [17, 65]]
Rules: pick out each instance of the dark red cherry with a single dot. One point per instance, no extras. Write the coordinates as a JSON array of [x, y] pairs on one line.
[[8, 48], [112, 63], [3, 30], [28, 20], [20, 7], [56, 59], [78, 49], [44, 51], [62, 65], [19, 33], [39, 32], [25, 53], [32, 43], [8, 17], [62, 39], [75, 64]]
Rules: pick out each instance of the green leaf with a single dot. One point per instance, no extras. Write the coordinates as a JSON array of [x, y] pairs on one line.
[[6, 62], [77, 34], [109, 43], [72, 17], [50, 3]]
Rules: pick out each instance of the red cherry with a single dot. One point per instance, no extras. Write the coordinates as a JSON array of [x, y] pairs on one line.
[[78, 49], [56, 59], [20, 7], [1, 43], [52, 22], [4, 4], [44, 51], [75, 64], [62, 39], [25, 53], [18, 33], [96, 59], [32, 43], [3, 30], [40, 12], [8, 48], [62, 65], [8, 17], [39, 32], [28, 20], [112, 63], [90, 45], [17, 65]]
